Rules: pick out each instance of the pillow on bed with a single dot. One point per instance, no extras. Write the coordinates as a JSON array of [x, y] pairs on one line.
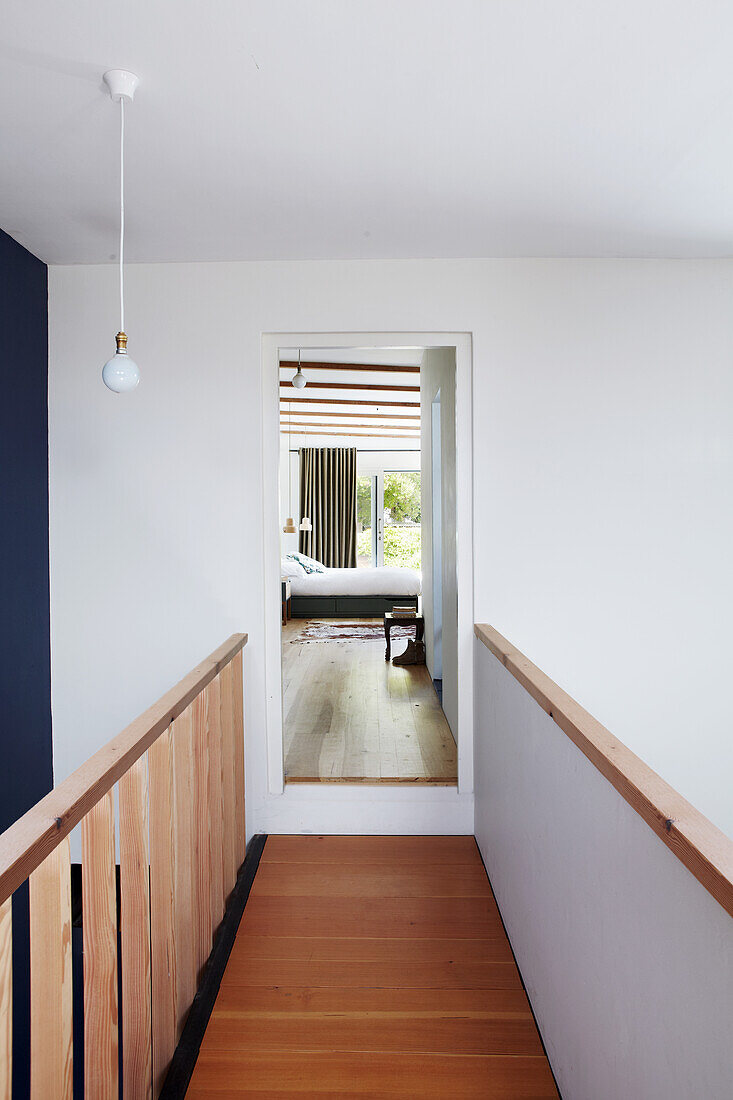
[[309, 564], [290, 568]]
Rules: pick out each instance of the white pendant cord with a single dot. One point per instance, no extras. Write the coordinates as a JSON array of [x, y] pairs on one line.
[[120, 373], [122, 213]]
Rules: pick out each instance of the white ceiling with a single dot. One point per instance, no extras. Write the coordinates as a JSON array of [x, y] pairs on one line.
[[370, 128]]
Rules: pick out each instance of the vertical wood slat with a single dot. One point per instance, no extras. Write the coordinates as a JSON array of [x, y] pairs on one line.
[[238, 712], [215, 803], [162, 911], [6, 999], [135, 931], [186, 903], [51, 977], [201, 829], [229, 852], [99, 908]]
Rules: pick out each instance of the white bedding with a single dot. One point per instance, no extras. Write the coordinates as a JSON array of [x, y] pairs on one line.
[[384, 581]]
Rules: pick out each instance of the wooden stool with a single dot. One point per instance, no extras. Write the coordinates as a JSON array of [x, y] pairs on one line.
[[390, 620]]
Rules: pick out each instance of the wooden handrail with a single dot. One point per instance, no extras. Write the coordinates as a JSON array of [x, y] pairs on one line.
[[27, 842], [179, 775], [698, 844]]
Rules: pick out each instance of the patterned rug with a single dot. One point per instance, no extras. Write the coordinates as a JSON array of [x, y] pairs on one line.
[[325, 631]]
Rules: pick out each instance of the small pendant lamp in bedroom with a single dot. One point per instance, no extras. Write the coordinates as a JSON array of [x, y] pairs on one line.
[[299, 380], [289, 528], [120, 373]]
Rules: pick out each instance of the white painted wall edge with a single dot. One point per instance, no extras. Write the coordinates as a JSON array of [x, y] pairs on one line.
[[395, 819], [353, 809], [627, 959]]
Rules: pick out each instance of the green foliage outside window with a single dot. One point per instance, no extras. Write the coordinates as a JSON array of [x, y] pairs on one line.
[[364, 502], [401, 546], [402, 497], [401, 519]]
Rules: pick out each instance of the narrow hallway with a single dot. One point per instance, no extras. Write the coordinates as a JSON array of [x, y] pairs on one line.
[[372, 967]]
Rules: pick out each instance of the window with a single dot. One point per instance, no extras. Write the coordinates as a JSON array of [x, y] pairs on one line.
[[388, 519], [402, 519], [365, 509]]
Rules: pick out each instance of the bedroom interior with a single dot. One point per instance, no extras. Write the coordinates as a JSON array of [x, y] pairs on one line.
[[367, 500]]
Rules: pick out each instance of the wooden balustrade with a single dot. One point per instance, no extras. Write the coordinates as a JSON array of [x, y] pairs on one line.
[[179, 774]]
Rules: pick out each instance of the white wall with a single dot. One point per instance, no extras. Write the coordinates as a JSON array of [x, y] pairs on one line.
[[438, 373], [602, 461], [627, 960]]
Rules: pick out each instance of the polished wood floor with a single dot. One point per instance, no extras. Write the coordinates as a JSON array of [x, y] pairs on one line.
[[351, 716], [370, 967]]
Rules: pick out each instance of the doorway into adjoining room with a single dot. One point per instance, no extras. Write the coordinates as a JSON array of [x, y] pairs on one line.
[[367, 560], [436, 469]]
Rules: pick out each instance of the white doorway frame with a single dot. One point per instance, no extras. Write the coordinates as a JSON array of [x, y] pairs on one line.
[[271, 343], [436, 485]]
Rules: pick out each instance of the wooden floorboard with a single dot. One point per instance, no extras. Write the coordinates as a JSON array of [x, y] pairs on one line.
[[350, 716], [365, 975], [390, 917], [500, 1034], [337, 1000], [338, 986], [234, 1074], [385, 851], [312, 880], [492, 947]]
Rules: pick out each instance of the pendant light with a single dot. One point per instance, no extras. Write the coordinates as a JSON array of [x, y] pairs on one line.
[[299, 380], [289, 528], [120, 373]]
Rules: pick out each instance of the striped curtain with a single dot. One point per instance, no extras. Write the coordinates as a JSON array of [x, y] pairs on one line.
[[328, 498]]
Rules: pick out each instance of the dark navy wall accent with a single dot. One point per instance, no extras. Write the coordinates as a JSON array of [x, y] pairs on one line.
[[25, 659]]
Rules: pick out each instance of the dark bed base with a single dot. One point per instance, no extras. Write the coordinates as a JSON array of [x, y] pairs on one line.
[[328, 607]]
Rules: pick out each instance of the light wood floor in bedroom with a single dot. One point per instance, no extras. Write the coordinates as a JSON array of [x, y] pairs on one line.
[[351, 716]]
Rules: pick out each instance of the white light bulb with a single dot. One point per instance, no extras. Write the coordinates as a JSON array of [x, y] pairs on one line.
[[120, 373], [299, 380]]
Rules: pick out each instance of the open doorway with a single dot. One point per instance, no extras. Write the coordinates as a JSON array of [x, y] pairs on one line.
[[436, 483], [367, 561]]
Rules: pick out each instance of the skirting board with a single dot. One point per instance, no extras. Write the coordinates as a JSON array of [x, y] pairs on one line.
[[184, 1058], [326, 607]]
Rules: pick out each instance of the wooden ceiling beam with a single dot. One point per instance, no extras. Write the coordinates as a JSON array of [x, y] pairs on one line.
[[354, 386], [354, 435], [362, 415], [291, 364], [296, 426], [350, 401]]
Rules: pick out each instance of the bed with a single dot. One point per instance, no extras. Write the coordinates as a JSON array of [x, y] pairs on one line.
[[359, 592]]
